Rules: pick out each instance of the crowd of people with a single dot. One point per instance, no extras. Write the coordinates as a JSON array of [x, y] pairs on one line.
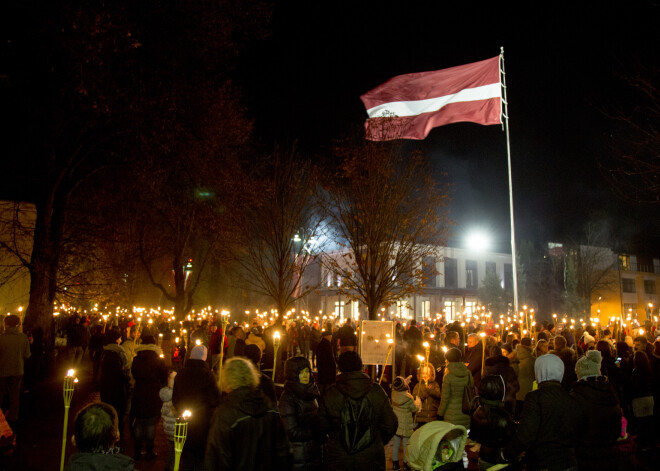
[[558, 401]]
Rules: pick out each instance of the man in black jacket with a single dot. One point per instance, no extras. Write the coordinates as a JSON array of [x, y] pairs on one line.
[[325, 362], [548, 425], [246, 431], [358, 445]]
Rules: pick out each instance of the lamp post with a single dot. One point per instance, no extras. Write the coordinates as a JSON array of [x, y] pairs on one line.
[[387, 359], [68, 387], [276, 345], [180, 434]]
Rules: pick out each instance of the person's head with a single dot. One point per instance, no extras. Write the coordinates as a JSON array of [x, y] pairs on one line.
[[605, 349], [607, 334], [426, 372], [452, 337], [560, 342], [12, 320], [96, 428], [253, 353], [542, 336], [472, 340], [641, 362], [588, 339], [542, 347], [401, 384], [327, 334], [640, 343], [548, 368], [588, 365], [526, 342], [238, 372], [148, 340], [492, 387], [198, 352], [134, 332], [413, 323], [298, 370], [453, 355], [495, 351], [112, 336], [349, 362]]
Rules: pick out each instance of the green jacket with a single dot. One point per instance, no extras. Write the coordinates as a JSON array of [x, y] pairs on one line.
[[456, 378], [14, 350]]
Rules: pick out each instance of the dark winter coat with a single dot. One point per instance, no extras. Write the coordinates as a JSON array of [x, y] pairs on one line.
[[499, 365], [473, 357], [568, 357], [492, 427], [356, 385], [114, 377], [299, 411], [100, 462], [325, 363], [247, 434], [600, 423], [195, 389], [548, 429], [150, 374]]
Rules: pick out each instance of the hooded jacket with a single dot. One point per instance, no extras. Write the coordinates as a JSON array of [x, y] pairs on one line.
[[114, 377], [492, 427], [599, 425], [429, 393], [548, 425], [524, 369], [150, 374], [356, 385], [247, 433], [499, 365], [457, 376], [299, 411], [404, 406]]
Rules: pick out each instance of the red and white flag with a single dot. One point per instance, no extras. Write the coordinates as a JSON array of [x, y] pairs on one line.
[[413, 104]]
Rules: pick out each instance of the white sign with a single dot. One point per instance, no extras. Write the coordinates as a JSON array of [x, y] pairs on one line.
[[374, 343]]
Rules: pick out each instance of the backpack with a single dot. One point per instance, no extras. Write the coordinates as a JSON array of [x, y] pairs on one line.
[[357, 431]]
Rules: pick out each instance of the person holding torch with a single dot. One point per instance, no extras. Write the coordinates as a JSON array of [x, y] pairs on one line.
[[427, 390]]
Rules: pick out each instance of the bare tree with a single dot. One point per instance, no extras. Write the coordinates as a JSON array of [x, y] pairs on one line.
[[281, 230], [389, 215]]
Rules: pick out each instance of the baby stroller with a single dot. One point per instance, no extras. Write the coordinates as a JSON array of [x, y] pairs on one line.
[[437, 445]]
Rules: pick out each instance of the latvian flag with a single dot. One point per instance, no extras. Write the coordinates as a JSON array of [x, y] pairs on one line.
[[409, 106]]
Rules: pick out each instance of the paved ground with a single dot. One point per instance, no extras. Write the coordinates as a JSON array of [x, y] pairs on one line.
[[39, 435]]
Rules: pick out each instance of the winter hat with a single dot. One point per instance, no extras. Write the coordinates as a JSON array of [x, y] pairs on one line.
[[453, 355], [148, 340], [548, 368], [349, 361], [629, 341], [198, 353], [112, 336], [253, 353], [588, 338], [400, 383], [588, 365], [526, 341]]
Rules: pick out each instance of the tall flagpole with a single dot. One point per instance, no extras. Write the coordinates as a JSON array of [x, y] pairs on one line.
[[508, 152]]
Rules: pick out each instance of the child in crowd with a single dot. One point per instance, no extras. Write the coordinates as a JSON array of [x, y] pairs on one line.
[[428, 391], [404, 407]]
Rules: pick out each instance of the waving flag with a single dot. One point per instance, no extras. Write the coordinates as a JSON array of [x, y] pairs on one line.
[[413, 104]]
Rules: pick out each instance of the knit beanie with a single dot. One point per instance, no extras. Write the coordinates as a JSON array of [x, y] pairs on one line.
[[588, 338], [588, 365], [548, 368], [453, 355], [198, 353], [400, 384], [349, 361]]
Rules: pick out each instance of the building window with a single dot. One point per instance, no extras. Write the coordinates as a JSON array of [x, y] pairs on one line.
[[428, 271], [470, 308], [624, 262], [355, 309], [471, 275], [491, 267], [449, 311], [649, 287], [426, 309], [339, 309], [402, 311], [451, 273], [628, 285]]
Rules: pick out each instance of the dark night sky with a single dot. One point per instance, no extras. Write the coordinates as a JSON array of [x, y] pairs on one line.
[[563, 62]]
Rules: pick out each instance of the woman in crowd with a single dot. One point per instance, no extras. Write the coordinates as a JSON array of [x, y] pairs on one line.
[[456, 378], [299, 411]]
